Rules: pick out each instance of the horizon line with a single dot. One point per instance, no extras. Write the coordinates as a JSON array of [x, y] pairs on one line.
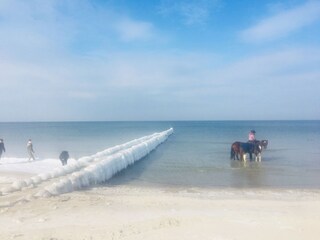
[[211, 120]]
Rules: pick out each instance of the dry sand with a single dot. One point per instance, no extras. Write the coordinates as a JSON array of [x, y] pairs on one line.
[[124, 212]]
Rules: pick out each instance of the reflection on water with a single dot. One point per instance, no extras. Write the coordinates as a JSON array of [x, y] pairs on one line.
[[245, 164]]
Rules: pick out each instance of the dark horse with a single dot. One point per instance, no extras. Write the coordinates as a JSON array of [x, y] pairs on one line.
[[240, 148]]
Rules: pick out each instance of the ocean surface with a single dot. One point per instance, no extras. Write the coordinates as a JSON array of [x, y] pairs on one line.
[[197, 154]]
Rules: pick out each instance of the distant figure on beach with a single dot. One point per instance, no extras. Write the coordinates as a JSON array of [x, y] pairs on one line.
[[30, 150], [252, 136], [2, 149], [64, 156]]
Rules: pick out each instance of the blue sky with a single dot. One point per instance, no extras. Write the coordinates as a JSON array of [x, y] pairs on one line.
[[65, 60]]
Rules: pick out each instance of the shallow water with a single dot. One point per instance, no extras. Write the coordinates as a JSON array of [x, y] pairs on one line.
[[196, 155]]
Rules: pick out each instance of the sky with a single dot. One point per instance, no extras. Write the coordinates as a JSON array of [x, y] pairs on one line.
[[124, 60]]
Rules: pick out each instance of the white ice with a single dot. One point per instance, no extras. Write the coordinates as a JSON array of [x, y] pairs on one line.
[[80, 173]]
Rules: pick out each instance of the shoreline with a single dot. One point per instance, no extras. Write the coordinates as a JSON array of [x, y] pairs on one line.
[[129, 212], [6, 178]]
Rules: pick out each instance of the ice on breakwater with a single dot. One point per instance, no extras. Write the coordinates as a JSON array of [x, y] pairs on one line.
[[91, 170]]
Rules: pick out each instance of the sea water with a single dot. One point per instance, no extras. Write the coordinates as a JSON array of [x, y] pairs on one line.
[[197, 154]]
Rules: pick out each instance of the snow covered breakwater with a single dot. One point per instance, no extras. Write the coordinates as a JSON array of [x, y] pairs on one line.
[[93, 169]]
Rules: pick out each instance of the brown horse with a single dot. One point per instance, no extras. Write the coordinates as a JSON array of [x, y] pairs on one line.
[[240, 148]]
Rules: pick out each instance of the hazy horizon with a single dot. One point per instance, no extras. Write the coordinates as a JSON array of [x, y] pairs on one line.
[[183, 120]]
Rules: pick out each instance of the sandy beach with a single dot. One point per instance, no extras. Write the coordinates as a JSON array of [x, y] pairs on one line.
[[122, 212]]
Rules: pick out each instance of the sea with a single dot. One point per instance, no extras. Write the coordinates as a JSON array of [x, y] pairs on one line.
[[196, 155]]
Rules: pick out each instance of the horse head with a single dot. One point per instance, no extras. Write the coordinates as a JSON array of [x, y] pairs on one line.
[[264, 143]]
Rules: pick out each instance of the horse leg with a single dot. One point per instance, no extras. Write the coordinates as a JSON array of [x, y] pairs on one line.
[[259, 157], [237, 151], [243, 156], [232, 154]]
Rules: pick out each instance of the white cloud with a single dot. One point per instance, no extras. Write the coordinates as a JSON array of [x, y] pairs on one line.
[[33, 29], [267, 65], [132, 30], [40, 29], [120, 82], [283, 23]]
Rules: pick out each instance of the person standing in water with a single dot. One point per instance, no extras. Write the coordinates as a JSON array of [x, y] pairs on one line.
[[30, 150], [252, 136], [2, 149]]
